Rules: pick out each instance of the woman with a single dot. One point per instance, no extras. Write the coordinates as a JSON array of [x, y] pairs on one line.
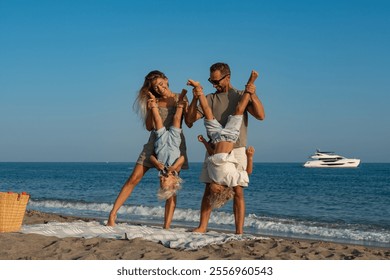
[[157, 83]]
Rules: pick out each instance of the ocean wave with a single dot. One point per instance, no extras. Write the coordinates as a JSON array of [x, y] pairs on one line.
[[347, 233]]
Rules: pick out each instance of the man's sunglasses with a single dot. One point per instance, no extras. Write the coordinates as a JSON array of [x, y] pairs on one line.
[[216, 82]]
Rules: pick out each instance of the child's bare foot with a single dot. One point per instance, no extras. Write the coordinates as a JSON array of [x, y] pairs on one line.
[[182, 94], [252, 78], [254, 75], [198, 89], [250, 86], [193, 83]]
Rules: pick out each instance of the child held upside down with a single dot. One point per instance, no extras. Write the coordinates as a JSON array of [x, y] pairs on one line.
[[221, 164], [221, 194], [167, 158]]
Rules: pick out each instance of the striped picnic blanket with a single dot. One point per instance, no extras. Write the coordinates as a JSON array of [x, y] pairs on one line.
[[179, 238]]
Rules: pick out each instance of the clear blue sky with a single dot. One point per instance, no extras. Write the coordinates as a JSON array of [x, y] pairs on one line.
[[70, 70]]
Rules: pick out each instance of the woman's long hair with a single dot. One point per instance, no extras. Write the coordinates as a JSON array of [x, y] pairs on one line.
[[140, 103]]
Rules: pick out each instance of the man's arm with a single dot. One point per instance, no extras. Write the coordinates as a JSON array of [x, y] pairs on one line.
[[255, 108]]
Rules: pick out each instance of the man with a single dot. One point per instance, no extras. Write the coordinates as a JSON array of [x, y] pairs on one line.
[[223, 103]]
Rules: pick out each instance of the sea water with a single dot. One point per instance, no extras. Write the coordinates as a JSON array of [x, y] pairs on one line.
[[285, 200]]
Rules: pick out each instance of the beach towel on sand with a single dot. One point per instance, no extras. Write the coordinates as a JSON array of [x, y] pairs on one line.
[[178, 238]]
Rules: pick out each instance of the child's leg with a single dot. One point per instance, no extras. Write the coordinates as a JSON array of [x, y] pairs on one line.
[[179, 109], [241, 106], [152, 105], [198, 93], [177, 116]]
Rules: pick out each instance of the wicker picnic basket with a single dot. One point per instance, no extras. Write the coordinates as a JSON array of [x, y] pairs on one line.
[[12, 210]]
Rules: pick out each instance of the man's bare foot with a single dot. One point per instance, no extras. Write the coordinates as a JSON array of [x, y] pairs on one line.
[[111, 221], [200, 230]]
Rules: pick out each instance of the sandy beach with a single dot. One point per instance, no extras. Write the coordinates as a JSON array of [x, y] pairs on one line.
[[17, 245]]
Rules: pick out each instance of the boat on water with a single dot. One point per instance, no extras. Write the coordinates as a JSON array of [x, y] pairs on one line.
[[330, 159]]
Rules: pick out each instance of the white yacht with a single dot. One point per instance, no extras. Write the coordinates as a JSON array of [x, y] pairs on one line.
[[330, 159]]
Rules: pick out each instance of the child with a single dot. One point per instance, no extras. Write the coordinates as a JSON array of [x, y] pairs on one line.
[[221, 164], [221, 194], [167, 158]]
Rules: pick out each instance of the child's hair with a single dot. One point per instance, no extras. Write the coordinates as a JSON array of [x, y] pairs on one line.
[[168, 191], [219, 195]]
